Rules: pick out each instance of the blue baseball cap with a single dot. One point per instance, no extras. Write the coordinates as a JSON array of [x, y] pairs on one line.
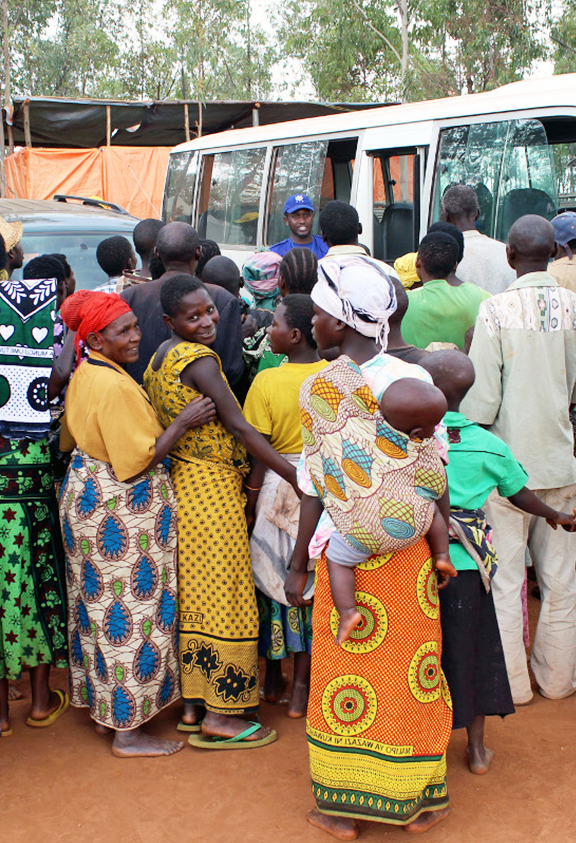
[[296, 202], [564, 227]]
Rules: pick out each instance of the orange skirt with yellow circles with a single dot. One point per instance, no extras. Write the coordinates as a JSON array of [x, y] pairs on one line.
[[380, 715]]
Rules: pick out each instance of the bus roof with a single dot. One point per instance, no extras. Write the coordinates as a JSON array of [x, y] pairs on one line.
[[548, 92]]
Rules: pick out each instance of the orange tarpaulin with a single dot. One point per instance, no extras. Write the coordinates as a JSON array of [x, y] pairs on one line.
[[130, 176]]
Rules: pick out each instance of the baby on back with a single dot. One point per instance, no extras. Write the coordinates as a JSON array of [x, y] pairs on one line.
[[376, 469]]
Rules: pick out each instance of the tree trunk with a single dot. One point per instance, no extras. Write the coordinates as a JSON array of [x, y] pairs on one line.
[[7, 85], [403, 14]]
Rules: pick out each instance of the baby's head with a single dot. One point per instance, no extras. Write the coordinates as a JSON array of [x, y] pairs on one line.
[[413, 407], [452, 372]]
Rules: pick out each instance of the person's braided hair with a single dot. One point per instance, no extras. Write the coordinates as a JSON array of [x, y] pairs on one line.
[[299, 269]]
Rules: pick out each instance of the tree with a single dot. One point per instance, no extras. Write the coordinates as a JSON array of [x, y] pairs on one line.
[[350, 50], [482, 44], [221, 54], [410, 49], [64, 47], [564, 36]]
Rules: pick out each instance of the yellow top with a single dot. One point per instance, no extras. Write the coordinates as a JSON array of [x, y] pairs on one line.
[[272, 405], [110, 417], [209, 443]]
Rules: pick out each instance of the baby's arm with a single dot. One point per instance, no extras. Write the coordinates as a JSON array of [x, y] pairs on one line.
[[437, 537], [343, 588], [528, 502]]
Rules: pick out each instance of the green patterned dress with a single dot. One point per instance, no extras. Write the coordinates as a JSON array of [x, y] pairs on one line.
[[32, 594]]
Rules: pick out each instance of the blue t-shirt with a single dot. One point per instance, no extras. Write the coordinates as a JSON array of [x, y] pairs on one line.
[[317, 245]]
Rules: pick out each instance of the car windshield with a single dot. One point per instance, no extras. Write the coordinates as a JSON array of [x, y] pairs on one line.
[[79, 248]]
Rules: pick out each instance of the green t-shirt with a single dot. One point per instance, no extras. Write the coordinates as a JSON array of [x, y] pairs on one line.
[[479, 462], [438, 312]]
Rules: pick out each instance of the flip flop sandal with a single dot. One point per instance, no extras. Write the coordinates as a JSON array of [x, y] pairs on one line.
[[6, 733], [237, 742], [47, 721], [190, 727]]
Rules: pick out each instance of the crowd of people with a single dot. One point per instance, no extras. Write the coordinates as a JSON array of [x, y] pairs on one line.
[[318, 455]]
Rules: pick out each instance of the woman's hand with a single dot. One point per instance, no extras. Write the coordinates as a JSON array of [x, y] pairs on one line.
[[293, 480], [198, 412], [294, 588]]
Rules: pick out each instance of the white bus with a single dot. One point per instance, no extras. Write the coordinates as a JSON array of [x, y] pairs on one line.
[[516, 146]]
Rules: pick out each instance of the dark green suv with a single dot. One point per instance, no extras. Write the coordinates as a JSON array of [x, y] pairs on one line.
[[69, 228]]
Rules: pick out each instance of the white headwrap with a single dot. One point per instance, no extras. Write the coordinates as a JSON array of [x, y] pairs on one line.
[[357, 290]]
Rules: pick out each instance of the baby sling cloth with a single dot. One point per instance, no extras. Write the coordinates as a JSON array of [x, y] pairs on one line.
[[377, 485]]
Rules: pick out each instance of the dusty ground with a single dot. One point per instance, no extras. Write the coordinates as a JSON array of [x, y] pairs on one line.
[[62, 784]]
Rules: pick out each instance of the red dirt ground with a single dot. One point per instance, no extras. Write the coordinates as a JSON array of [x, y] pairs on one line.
[[63, 784]]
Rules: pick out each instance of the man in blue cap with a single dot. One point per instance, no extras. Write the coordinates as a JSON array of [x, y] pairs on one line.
[[299, 217], [563, 269]]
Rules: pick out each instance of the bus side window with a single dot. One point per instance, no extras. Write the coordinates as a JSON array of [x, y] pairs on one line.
[[296, 168], [528, 183], [321, 169], [179, 190], [393, 198], [509, 165], [229, 200]]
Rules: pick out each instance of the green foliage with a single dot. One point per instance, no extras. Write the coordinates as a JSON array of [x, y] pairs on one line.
[[353, 49], [193, 49], [564, 31], [490, 42], [70, 50], [346, 59]]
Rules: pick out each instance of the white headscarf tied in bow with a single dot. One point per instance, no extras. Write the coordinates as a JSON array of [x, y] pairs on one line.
[[357, 290]]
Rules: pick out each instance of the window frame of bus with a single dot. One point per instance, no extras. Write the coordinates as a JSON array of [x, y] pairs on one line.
[[508, 120]]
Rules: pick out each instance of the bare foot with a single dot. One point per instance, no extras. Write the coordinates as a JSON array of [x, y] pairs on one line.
[[340, 827], [479, 760], [349, 620], [14, 694], [192, 714], [274, 681], [42, 713], [427, 820], [222, 726], [102, 730], [5, 724], [299, 700], [137, 744]]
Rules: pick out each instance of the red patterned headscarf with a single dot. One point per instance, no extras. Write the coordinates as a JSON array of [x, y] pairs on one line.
[[87, 311]]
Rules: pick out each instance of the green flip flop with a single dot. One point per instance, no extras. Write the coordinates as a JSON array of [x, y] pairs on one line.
[[189, 727], [237, 742]]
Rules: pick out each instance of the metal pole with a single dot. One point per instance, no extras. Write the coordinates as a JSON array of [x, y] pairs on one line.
[[108, 125]]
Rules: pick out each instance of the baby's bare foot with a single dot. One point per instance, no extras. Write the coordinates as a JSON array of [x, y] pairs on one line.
[[349, 620]]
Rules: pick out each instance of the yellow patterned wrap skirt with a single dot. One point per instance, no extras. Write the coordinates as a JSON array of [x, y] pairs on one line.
[[218, 619], [380, 714]]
